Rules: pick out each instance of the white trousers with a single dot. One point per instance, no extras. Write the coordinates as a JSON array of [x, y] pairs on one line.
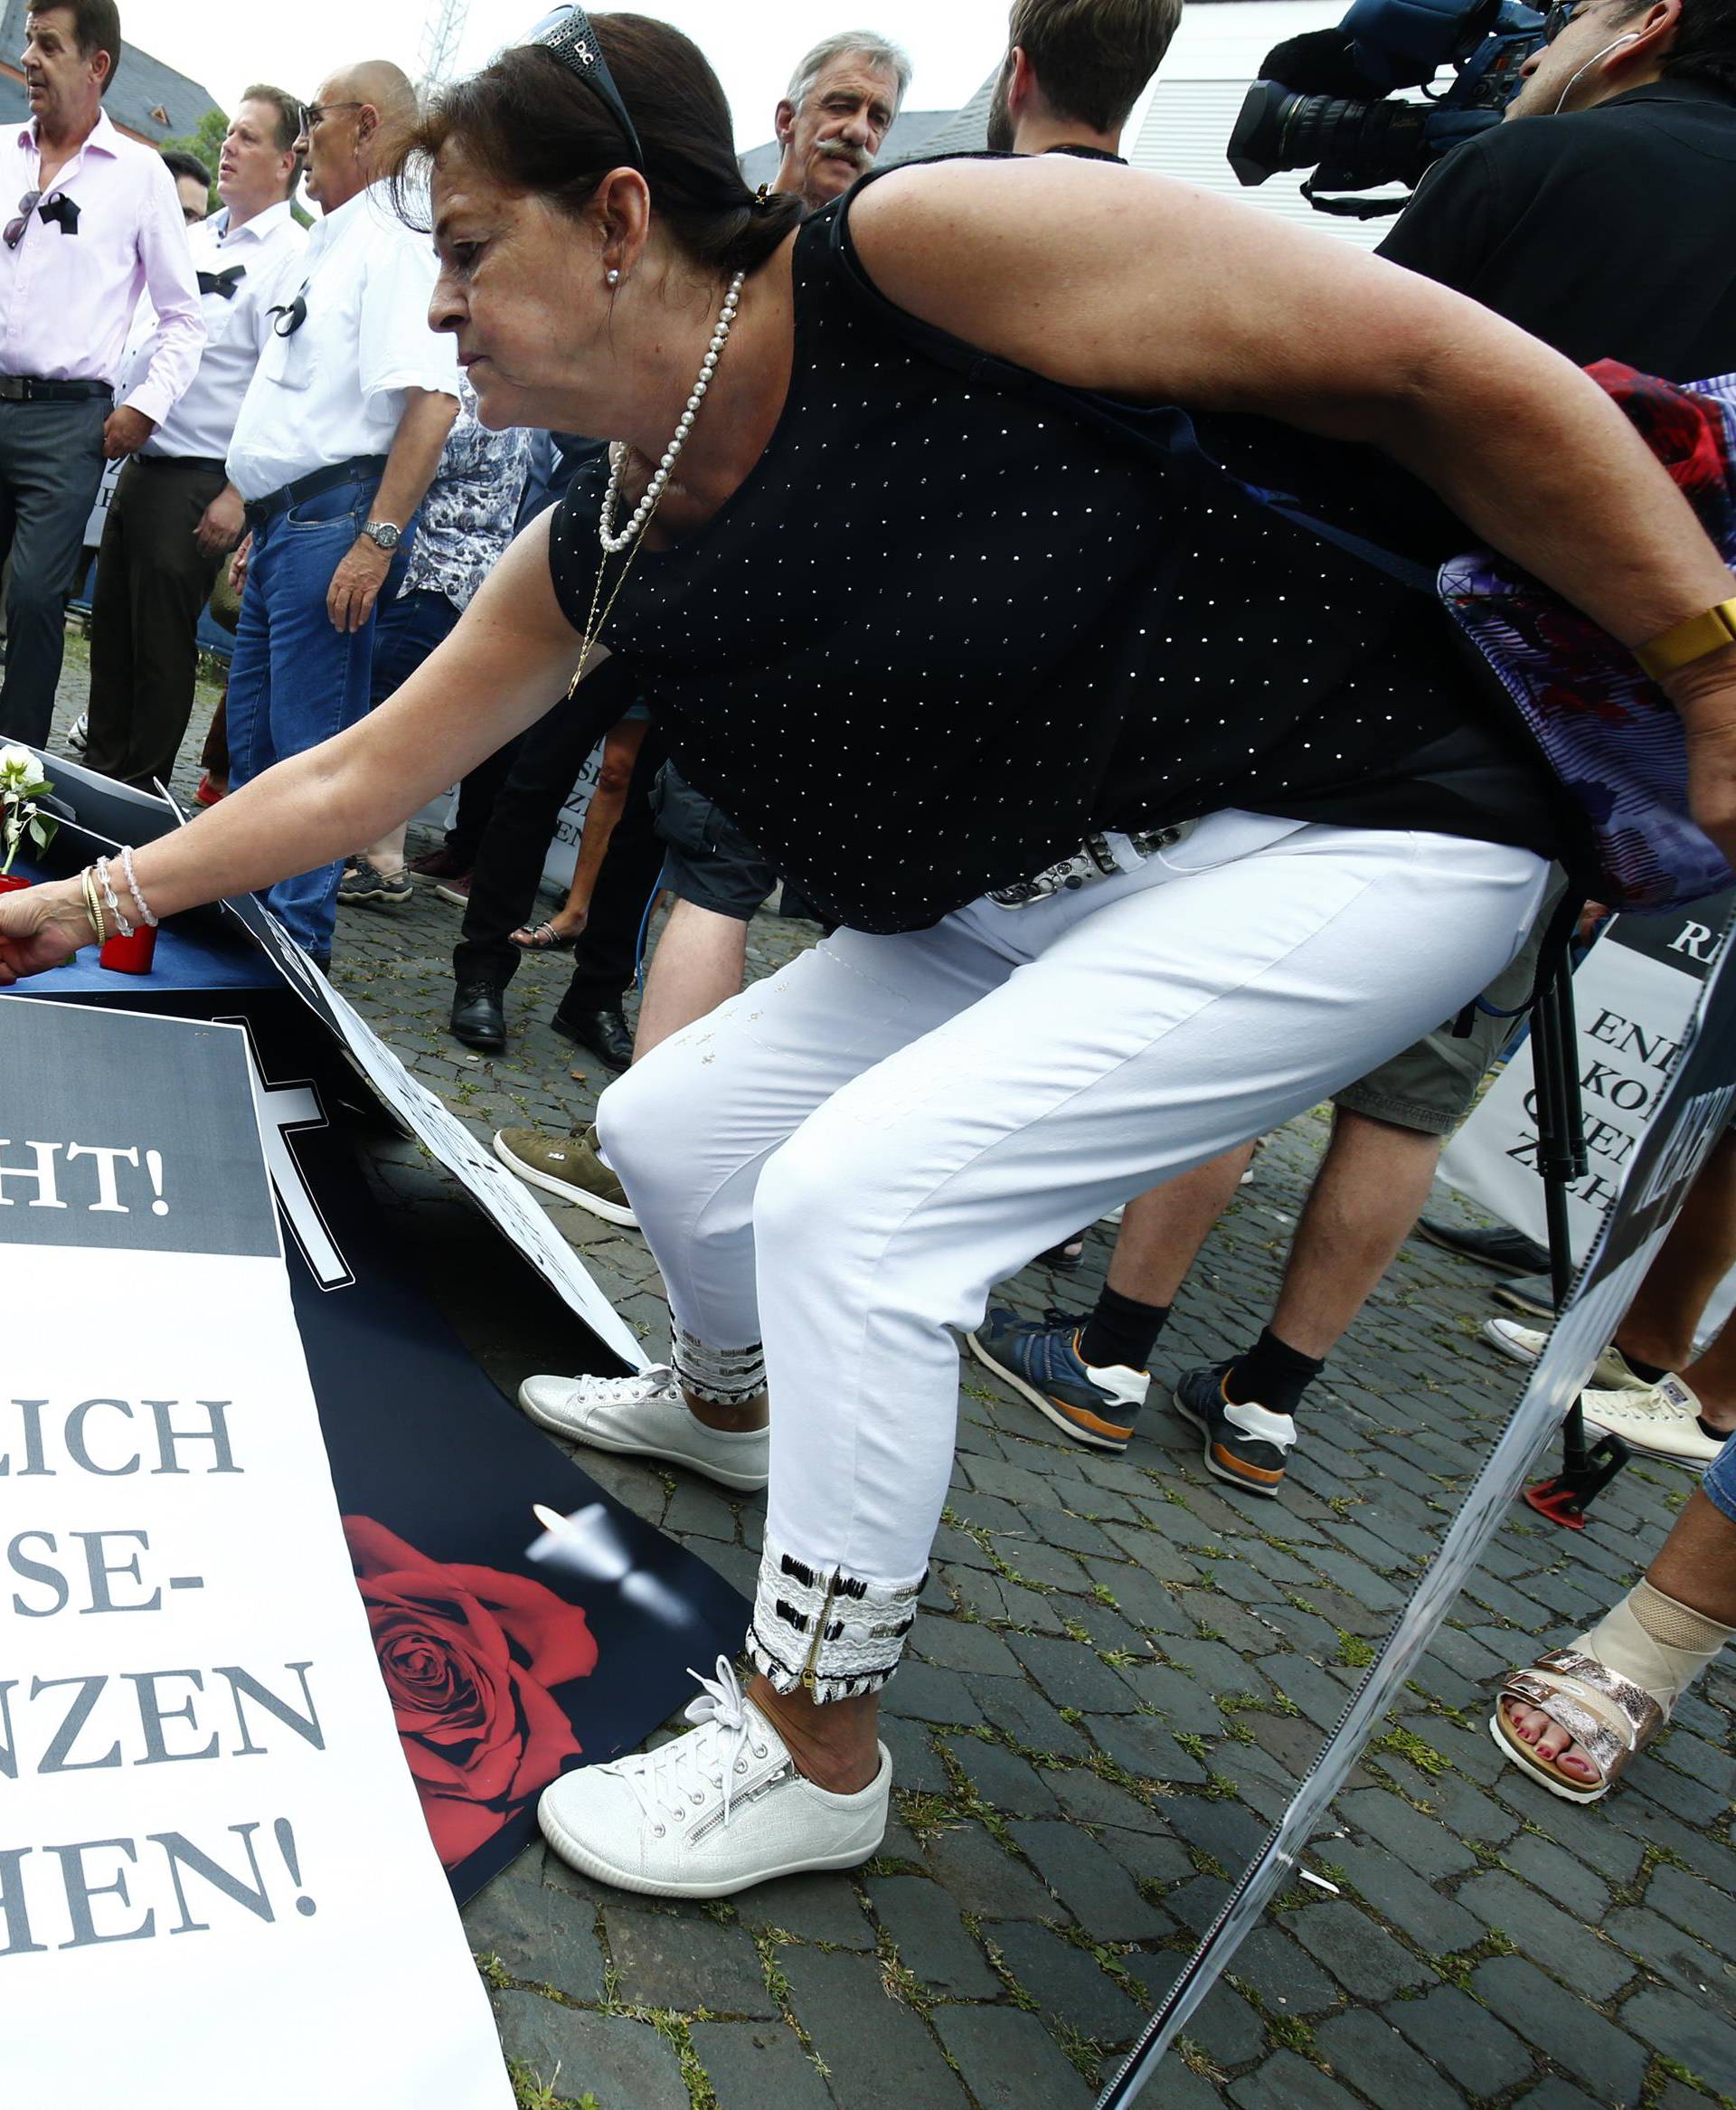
[[844, 1160]]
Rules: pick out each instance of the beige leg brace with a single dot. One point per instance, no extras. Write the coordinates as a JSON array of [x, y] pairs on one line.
[[1655, 1642]]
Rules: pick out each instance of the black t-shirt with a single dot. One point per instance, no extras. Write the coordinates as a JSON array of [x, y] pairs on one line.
[[949, 624], [1609, 233]]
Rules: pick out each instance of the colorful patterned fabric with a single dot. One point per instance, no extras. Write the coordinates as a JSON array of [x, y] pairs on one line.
[[1608, 731]]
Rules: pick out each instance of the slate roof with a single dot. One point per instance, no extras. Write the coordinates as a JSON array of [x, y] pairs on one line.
[[143, 86]]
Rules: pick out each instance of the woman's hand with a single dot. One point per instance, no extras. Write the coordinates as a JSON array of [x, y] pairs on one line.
[[41, 927]]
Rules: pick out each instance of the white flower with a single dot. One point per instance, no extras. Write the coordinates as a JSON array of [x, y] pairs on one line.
[[17, 761]]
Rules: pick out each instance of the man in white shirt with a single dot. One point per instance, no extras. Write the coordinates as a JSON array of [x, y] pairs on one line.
[[337, 441], [92, 220], [175, 514]]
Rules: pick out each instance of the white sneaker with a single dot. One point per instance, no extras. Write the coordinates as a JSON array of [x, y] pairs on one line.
[[1525, 1344], [77, 732], [711, 1813], [646, 1417], [1662, 1420]]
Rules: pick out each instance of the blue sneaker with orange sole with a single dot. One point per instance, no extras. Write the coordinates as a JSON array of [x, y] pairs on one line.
[[1040, 1359], [1245, 1443]]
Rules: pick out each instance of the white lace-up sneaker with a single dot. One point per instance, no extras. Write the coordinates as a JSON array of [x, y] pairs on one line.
[[711, 1813], [1662, 1420], [645, 1416], [1525, 1344]]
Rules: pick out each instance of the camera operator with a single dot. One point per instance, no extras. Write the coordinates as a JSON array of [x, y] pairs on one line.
[[1607, 233]]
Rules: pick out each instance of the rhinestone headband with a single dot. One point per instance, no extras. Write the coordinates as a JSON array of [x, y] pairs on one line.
[[568, 34]]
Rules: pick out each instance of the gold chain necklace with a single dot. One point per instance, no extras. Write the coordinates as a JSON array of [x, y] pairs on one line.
[[593, 621]]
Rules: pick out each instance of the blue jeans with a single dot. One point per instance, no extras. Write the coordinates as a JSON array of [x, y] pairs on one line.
[[1719, 1486], [296, 680], [406, 630]]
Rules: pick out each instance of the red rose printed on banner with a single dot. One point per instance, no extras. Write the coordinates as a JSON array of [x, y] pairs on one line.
[[469, 1656]]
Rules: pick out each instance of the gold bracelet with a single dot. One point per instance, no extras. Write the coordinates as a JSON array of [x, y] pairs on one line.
[[93, 905], [1696, 639]]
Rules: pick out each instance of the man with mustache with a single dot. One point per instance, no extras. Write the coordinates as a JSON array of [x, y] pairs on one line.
[[91, 220]]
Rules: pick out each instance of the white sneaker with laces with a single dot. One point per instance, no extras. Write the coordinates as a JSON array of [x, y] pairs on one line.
[[711, 1813], [646, 1417], [1525, 1344], [1662, 1420]]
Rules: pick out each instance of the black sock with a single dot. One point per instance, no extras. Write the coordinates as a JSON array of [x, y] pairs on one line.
[[1650, 1372], [1271, 1375], [1121, 1330]]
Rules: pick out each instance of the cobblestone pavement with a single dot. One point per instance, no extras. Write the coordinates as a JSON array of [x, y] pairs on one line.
[[1118, 1673]]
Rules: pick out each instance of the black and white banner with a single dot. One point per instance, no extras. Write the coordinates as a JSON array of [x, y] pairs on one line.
[[216, 1880]]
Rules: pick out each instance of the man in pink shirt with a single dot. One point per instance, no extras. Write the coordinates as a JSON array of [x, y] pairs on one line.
[[90, 221]]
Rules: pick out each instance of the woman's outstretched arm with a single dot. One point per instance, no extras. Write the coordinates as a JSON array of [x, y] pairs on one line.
[[509, 660]]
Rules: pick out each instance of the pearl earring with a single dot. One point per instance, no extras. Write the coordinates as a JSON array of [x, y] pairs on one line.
[[613, 277]]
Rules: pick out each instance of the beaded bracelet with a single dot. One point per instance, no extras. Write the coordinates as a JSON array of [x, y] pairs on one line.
[[106, 885], [144, 914]]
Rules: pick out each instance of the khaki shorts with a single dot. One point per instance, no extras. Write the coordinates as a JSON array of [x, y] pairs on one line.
[[1432, 1084]]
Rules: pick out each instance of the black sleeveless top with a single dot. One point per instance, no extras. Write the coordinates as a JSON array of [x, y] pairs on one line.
[[945, 628]]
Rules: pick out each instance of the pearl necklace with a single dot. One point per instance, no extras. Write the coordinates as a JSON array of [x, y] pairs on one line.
[[614, 544]]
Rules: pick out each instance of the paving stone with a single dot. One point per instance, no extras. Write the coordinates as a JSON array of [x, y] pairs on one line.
[[1028, 1718], [1270, 1964], [1556, 2095], [751, 2065], [1419, 1841], [960, 1644], [1227, 2026], [1219, 1670], [1667, 1951], [1218, 1618], [683, 1959], [922, 1693], [982, 1878], [1045, 1566], [1159, 1556], [1090, 1882], [1072, 1675], [1009, 2059], [548, 1937], [1434, 1921], [1288, 2083], [1088, 1799], [1543, 1931], [574, 2053], [1031, 1608], [843, 2003], [1067, 1985], [1005, 1782], [1319, 1694], [1181, 1704], [1572, 2034], [1219, 1826], [932, 1937], [1363, 1957], [1463, 2040], [1142, 1598], [813, 1908], [1694, 1905], [1683, 2029], [1371, 2055], [1144, 1747], [1149, 1855]]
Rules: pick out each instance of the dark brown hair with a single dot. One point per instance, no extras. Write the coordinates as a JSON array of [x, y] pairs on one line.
[[1703, 47], [96, 27], [1093, 56], [288, 129], [531, 124]]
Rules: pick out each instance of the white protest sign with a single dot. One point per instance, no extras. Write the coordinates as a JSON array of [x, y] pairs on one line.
[[1633, 997], [216, 1883]]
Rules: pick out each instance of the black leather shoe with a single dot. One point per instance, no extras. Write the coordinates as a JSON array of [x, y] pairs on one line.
[[1494, 1244], [477, 1017], [603, 1031]]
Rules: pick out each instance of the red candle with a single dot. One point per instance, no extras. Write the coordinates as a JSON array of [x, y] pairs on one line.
[[12, 885], [130, 955]]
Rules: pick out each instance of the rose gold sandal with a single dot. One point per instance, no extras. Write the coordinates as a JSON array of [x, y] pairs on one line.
[[1610, 1719]]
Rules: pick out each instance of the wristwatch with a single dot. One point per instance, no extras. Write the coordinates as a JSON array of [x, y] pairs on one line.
[[383, 534]]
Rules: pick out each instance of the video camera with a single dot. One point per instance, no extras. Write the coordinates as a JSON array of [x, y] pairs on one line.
[[1325, 101]]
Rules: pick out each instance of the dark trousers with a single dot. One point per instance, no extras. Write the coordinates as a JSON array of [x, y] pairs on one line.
[[51, 468], [476, 796], [514, 844], [153, 582]]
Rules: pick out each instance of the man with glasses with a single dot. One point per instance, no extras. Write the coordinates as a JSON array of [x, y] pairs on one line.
[[175, 514], [1607, 233], [338, 442], [94, 221]]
